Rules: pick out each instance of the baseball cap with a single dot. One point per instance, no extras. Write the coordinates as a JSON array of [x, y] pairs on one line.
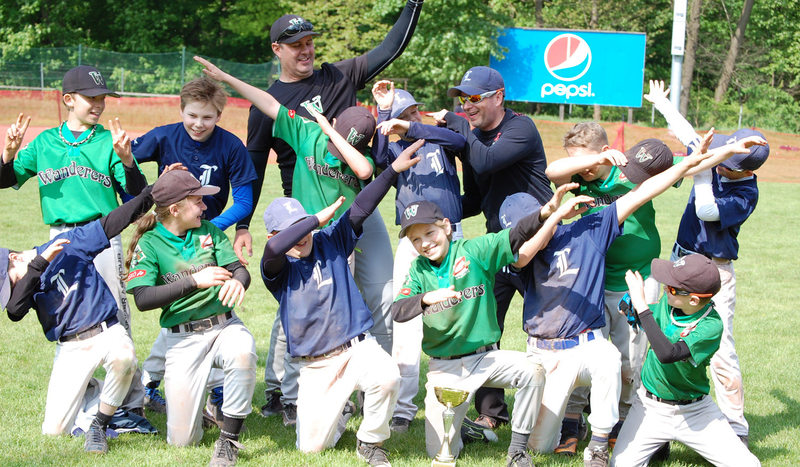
[[5, 282], [419, 212], [176, 185], [290, 28], [402, 100], [283, 212], [693, 273], [356, 125], [477, 80], [85, 80], [517, 206], [646, 158], [751, 161]]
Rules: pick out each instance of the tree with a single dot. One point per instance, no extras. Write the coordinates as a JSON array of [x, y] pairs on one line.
[[733, 52], [689, 55]]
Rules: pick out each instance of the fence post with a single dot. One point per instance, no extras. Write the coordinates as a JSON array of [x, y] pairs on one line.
[[41, 75], [80, 52], [122, 81], [183, 66]]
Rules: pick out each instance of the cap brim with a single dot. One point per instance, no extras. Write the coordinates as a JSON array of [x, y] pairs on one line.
[[206, 190], [94, 92], [468, 90], [401, 110], [634, 173], [298, 36], [660, 270], [417, 221]]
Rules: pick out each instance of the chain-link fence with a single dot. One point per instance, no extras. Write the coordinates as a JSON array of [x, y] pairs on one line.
[[128, 73]]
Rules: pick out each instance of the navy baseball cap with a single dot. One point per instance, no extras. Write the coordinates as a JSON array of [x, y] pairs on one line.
[[517, 206], [356, 125], [692, 273], [419, 212], [283, 212], [646, 158], [751, 161], [5, 282], [86, 80], [176, 185], [477, 80], [402, 100], [290, 28]]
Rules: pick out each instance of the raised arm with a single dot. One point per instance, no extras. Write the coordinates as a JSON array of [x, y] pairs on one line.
[[395, 41], [676, 122], [261, 99], [561, 171], [352, 157]]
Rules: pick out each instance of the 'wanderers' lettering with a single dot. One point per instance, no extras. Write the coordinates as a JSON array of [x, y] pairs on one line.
[[605, 200], [171, 277], [49, 176], [327, 171], [467, 294]]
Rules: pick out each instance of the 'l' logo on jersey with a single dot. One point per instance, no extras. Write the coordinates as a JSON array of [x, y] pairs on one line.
[[205, 177], [435, 161], [562, 263], [318, 276], [61, 284], [314, 103]]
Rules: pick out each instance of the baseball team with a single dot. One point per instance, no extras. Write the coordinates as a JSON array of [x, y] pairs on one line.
[[613, 331]]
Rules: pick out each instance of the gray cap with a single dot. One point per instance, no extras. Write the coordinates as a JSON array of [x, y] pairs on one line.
[[5, 283], [283, 212], [402, 100]]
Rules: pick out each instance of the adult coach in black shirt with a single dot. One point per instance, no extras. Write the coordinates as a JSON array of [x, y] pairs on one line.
[[504, 155], [329, 89]]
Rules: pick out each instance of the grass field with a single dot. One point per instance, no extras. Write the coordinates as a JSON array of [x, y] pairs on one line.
[[765, 327]]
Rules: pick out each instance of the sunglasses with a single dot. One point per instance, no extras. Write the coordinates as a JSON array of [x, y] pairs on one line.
[[475, 98], [294, 29], [675, 291]]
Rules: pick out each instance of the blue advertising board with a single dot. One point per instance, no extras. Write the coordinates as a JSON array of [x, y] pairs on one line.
[[572, 67]]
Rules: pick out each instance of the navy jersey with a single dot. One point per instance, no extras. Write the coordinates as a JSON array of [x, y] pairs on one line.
[[319, 303], [221, 160], [736, 200], [564, 282], [72, 295]]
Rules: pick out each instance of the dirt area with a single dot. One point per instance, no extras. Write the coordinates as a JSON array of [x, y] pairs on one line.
[[139, 115]]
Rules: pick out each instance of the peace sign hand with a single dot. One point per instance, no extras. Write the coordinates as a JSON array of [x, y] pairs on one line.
[[122, 143], [14, 137]]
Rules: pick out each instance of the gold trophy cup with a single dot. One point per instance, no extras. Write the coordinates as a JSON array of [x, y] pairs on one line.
[[451, 398]]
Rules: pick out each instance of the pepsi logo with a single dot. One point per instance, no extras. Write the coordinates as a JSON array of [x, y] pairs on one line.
[[567, 57]]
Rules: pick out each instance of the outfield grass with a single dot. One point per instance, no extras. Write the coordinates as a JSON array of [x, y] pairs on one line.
[[766, 341]]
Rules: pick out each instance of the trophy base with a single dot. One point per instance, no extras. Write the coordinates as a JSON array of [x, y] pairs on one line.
[[443, 463]]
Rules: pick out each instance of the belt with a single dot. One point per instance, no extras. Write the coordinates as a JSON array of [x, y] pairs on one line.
[[201, 325], [650, 395], [91, 332], [680, 251], [563, 344], [336, 350], [72, 224], [484, 349]]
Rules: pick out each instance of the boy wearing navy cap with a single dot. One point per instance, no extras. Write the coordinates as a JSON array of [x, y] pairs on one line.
[[684, 331]]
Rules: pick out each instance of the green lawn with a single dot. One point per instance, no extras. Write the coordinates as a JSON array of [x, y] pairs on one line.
[[767, 347]]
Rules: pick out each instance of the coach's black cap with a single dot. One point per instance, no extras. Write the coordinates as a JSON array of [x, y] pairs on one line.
[[290, 28], [5, 283], [176, 185], [693, 273], [646, 158], [419, 212], [356, 125], [85, 80]]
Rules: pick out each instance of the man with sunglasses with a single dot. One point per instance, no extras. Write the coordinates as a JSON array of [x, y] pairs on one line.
[[504, 155], [328, 90], [684, 331]]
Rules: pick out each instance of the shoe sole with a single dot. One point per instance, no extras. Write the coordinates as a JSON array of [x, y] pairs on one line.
[[568, 447]]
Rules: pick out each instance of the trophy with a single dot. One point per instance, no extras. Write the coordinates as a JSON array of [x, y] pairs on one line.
[[450, 398]]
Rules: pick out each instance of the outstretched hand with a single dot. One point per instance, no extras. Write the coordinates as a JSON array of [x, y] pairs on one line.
[[575, 207], [613, 157], [326, 214], [636, 289], [658, 92], [121, 141], [174, 166], [407, 157], [322, 120], [14, 136], [211, 70], [440, 295], [54, 249], [394, 126], [701, 145], [743, 145], [551, 206], [439, 117], [383, 92]]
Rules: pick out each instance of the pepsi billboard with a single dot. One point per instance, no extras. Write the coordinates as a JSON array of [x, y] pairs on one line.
[[572, 67]]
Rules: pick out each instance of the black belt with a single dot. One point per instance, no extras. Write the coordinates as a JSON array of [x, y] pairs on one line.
[[73, 224], [485, 348], [336, 350], [650, 395], [201, 325], [91, 332]]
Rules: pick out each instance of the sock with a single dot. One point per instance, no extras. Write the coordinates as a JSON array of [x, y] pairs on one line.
[[519, 442], [153, 384], [231, 427], [598, 441], [615, 431], [569, 425], [102, 420]]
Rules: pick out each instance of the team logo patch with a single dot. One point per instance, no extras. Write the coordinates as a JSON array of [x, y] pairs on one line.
[[136, 273], [643, 156], [292, 113], [411, 211], [97, 78], [680, 262], [206, 241], [138, 256], [405, 291], [354, 137], [461, 267]]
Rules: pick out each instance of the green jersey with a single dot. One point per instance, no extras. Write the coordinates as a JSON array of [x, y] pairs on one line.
[[458, 327], [319, 177], [75, 182], [161, 257], [688, 379]]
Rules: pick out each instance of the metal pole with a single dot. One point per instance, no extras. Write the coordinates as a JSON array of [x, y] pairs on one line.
[[678, 41], [80, 52], [41, 75], [560, 112], [122, 81], [741, 109], [183, 66]]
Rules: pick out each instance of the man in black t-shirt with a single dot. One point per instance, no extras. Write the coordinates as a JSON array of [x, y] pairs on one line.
[[329, 90]]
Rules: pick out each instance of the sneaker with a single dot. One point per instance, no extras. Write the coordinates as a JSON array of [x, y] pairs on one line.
[[661, 454], [519, 459], [137, 411], [472, 432], [745, 439], [96, 440], [612, 437], [568, 446], [289, 415], [273, 405], [226, 452], [209, 420], [399, 424], [154, 401], [597, 457], [583, 429], [372, 454], [487, 421]]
